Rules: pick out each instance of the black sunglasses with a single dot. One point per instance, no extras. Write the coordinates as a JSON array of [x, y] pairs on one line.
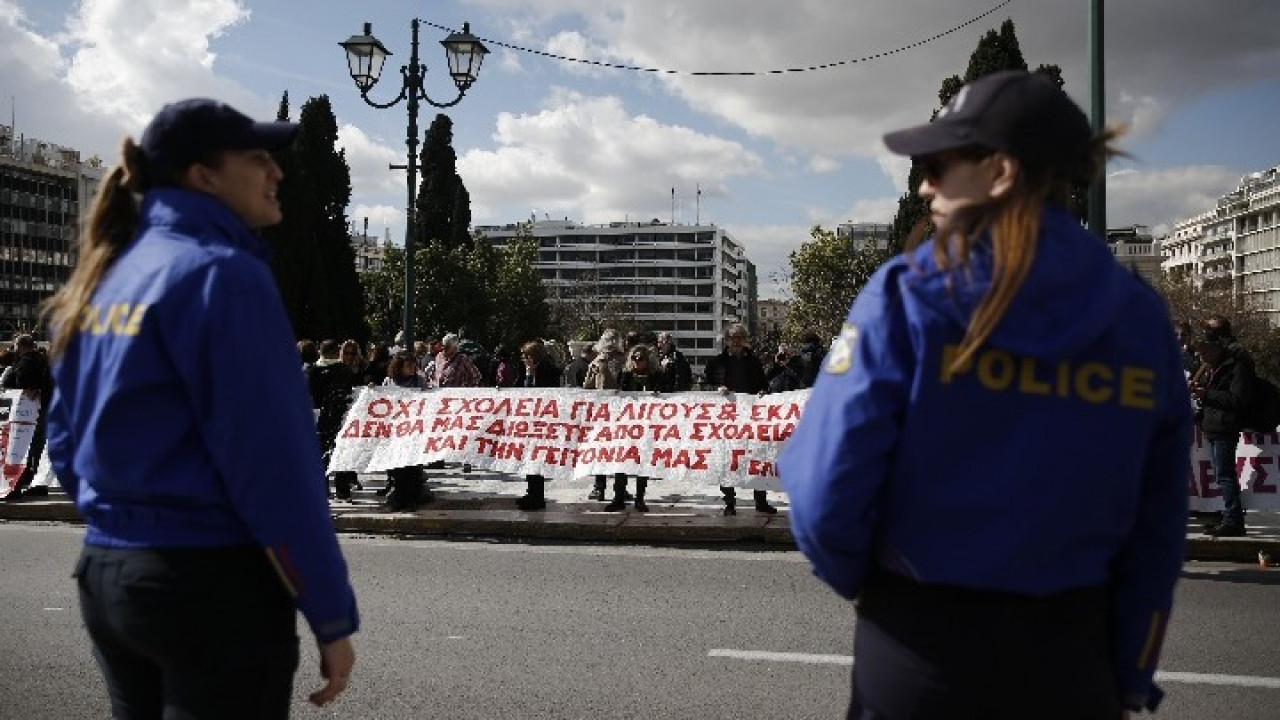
[[934, 166]]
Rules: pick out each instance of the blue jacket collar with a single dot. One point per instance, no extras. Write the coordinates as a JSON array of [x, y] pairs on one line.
[[203, 217]]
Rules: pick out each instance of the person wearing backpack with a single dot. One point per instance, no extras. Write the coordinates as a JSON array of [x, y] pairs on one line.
[[1225, 392]]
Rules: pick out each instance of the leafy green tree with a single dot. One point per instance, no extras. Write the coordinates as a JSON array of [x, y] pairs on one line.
[[826, 274], [384, 295], [996, 51], [520, 309], [583, 309], [313, 260], [1192, 304], [451, 293]]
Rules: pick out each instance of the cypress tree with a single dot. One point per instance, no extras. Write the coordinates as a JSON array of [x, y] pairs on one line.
[[443, 205], [313, 260]]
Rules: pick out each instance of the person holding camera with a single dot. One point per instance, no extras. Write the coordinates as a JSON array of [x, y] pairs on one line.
[[786, 373], [1224, 390]]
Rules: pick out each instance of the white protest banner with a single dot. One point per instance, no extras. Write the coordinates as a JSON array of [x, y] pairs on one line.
[[18, 414], [702, 438], [1257, 466]]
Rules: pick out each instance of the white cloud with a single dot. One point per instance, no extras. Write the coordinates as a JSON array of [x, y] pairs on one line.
[[131, 56], [384, 221], [822, 164], [1159, 198], [896, 168], [574, 45], [770, 248], [588, 158], [1140, 114], [846, 108], [369, 160], [872, 210]]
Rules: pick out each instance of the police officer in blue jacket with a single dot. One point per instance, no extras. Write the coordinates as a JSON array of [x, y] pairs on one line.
[[994, 460], [196, 469]]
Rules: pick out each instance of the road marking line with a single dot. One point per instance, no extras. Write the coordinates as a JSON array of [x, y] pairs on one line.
[[1215, 679], [783, 657], [1189, 678]]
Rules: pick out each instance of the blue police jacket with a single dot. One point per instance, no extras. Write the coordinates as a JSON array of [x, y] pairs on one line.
[[179, 417], [1057, 458]]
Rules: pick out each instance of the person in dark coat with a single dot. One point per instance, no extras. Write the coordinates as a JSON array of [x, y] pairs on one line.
[[331, 381], [536, 370], [1224, 390], [674, 364], [575, 372], [737, 369], [31, 374], [641, 373]]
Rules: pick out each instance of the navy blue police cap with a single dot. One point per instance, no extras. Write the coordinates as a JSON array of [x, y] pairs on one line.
[[188, 131], [1022, 113]]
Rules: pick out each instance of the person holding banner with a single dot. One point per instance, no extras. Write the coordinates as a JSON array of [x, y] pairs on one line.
[[641, 373], [406, 486], [30, 373], [536, 370], [737, 369], [603, 374], [196, 469], [994, 460], [331, 382]]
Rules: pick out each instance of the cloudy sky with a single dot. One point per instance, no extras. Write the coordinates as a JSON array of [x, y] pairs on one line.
[[1197, 84]]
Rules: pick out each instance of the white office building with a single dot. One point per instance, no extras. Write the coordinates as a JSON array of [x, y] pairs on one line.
[[44, 191], [690, 280], [864, 234], [1236, 246], [1135, 249]]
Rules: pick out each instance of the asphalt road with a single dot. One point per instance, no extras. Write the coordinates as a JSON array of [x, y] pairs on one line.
[[487, 630]]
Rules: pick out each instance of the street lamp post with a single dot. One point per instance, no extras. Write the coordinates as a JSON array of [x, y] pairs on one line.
[[365, 56], [1097, 219]]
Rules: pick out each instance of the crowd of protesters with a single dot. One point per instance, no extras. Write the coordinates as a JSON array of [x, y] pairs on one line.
[[636, 361]]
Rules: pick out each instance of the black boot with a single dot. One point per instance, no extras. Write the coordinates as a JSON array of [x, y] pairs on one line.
[[533, 495], [342, 484], [619, 495], [762, 503], [641, 485], [597, 493], [622, 478], [730, 500], [406, 490]]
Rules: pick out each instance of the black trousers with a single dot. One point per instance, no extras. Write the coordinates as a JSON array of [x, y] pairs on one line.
[[927, 651], [602, 481], [190, 633]]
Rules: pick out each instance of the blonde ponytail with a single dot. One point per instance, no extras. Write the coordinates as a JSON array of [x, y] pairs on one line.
[[108, 227]]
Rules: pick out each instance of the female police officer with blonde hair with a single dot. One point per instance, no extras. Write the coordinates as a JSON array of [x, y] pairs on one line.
[[197, 470], [993, 462]]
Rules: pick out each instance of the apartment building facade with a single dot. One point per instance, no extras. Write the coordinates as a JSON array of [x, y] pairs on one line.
[[44, 189], [773, 316], [1235, 247], [370, 252], [864, 234], [690, 280], [1136, 249]]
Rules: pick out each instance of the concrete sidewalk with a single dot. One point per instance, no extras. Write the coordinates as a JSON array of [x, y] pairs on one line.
[[482, 504]]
